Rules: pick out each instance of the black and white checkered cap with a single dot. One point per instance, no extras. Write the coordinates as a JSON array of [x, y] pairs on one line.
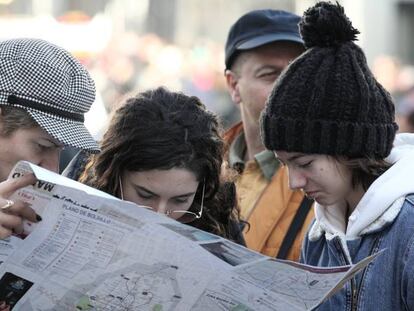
[[51, 85]]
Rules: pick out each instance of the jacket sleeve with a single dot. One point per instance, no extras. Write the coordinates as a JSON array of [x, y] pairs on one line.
[[407, 281]]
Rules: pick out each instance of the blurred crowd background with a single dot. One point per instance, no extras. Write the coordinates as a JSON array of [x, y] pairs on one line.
[[131, 45]]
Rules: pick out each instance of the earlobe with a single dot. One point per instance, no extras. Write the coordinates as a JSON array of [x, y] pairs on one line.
[[233, 86]]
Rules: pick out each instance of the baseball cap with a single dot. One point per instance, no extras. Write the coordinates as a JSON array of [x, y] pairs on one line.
[[51, 85], [260, 27]]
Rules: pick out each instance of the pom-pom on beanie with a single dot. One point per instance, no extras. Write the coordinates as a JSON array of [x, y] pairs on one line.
[[327, 101]]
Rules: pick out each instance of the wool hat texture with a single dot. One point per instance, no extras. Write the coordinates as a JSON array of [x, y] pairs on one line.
[[327, 101]]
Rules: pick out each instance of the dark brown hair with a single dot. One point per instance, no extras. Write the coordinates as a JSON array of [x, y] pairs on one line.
[[159, 129], [364, 171]]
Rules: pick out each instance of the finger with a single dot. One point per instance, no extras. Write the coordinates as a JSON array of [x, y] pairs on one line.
[[5, 233], [23, 210], [9, 186], [11, 222], [18, 230]]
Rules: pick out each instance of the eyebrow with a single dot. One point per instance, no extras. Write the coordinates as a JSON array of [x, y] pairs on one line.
[[154, 194], [295, 157]]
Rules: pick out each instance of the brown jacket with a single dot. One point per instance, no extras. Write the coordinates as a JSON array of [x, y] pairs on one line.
[[273, 212]]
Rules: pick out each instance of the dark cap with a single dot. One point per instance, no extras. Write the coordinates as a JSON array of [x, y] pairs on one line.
[[327, 101], [260, 27]]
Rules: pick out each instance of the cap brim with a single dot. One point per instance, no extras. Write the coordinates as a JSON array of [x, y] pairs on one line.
[[264, 39], [69, 133]]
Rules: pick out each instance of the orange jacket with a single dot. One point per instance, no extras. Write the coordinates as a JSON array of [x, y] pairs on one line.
[[273, 212]]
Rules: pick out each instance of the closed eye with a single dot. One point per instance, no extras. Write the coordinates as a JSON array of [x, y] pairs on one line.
[[144, 193], [145, 196], [305, 165], [269, 75], [181, 200]]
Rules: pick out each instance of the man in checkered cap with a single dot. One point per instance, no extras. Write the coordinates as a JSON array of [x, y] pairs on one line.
[[44, 94]]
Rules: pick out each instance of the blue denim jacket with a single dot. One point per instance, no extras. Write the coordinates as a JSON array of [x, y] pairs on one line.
[[385, 284]]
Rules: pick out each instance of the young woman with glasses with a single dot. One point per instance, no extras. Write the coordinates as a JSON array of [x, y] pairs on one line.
[[163, 150]]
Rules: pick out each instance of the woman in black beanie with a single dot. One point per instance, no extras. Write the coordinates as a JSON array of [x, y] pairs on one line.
[[332, 124]]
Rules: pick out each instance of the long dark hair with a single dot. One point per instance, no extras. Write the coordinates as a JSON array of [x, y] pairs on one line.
[[159, 129]]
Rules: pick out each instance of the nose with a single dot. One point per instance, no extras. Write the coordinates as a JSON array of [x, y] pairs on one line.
[[162, 207], [296, 179], [50, 160]]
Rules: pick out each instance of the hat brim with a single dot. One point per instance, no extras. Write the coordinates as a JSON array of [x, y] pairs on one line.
[[268, 38], [69, 133]]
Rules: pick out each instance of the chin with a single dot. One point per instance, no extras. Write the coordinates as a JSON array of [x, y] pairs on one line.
[[326, 201]]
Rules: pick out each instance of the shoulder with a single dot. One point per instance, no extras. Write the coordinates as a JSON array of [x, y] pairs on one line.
[[402, 230], [407, 210]]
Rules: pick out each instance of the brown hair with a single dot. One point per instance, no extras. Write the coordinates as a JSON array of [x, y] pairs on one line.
[[364, 171], [13, 118]]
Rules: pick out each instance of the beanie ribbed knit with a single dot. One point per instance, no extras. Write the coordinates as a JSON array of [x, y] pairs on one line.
[[328, 101]]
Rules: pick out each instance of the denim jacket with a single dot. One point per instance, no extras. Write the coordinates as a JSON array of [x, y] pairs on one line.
[[388, 282], [382, 220]]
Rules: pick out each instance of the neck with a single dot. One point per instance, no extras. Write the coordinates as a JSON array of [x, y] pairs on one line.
[[353, 199], [253, 141]]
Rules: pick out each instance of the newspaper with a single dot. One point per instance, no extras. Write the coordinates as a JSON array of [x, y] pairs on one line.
[[92, 251]]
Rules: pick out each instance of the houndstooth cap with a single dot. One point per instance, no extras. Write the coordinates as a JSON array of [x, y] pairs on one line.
[[51, 85]]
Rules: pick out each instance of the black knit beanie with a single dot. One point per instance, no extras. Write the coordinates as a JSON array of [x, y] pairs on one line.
[[327, 101]]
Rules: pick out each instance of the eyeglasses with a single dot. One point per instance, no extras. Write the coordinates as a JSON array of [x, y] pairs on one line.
[[182, 216]]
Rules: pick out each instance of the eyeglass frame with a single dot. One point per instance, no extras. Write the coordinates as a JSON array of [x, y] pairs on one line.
[[169, 212]]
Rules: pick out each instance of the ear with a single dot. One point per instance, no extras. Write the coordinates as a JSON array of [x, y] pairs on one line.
[[233, 85]]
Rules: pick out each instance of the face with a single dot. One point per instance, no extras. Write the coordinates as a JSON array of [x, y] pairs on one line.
[[31, 144], [252, 77], [162, 190], [321, 177]]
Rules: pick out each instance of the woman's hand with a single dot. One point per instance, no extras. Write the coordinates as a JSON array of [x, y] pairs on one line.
[[12, 213]]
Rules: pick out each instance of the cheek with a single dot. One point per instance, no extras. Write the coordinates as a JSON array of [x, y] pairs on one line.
[[324, 180], [262, 91], [335, 182], [183, 206], [23, 152], [187, 206]]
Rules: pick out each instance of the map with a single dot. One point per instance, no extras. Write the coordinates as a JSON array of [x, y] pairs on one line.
[[137, 287], [298, 287]]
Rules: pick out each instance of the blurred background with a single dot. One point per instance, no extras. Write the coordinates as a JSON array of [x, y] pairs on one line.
[[131, 45]]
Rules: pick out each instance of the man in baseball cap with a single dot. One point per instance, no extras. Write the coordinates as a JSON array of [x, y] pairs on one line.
[[260, 44], [44, 94]]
